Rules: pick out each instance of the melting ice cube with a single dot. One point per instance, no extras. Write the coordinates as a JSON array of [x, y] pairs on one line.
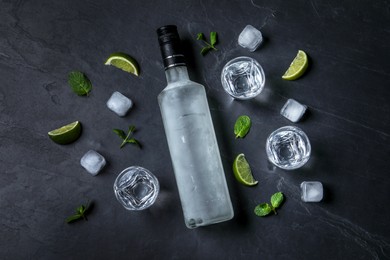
[[119, 103], [293, 110], [311, 191], [93, 162], [250, 38]]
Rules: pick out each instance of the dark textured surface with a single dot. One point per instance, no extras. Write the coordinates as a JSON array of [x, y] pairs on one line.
[[346, 90]]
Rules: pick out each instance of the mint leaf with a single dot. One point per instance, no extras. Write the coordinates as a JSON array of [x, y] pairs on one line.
[[79, 83], [263, 209], [200, 36], [81, 209], [134, 141], [120, 133], [242, 126], [73, 218], [277, 199], [213, 38], [131, 129]]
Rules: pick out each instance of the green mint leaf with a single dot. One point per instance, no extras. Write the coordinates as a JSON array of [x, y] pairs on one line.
[[213, 39], [134, 141], [205, 50], [242, 126], [73, 218], [80, 210], [277, 199], [79, 83], [263, 209], [131, 129], [120, 133], [200, 36]]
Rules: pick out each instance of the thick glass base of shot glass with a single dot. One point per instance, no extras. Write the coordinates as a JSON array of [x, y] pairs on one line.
[[243, 78], [288, 148], [136, 188]]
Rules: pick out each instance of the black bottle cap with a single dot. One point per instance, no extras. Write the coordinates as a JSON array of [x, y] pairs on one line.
[[170, 46]]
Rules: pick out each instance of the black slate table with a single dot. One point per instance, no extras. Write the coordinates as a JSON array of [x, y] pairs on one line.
[[346, 90]]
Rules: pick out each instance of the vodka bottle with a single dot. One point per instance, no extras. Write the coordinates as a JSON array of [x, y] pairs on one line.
[[191, 139]]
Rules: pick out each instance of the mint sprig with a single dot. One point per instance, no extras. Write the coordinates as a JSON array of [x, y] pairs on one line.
[[209, 46], [264, 209], [80, 213], [127, 139], [79, 83]]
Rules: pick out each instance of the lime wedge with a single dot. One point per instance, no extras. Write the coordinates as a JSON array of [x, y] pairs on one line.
[[124, 62], [297, 67], [66, 134], [242, 171]]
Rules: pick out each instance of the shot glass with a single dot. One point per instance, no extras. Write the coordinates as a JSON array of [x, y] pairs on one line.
[[288, 148], [136, 188], [243, 78]]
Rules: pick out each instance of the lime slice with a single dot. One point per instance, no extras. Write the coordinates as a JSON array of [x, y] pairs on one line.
[[297, 67], [66, 134], [242, 171], [124, 62]]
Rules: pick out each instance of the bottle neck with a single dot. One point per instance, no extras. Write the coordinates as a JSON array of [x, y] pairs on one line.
[[177, 73]]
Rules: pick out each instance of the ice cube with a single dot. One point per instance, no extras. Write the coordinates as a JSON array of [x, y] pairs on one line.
[[119, 103], [311, 191], [250, 38], [293, 110], [93, 162]]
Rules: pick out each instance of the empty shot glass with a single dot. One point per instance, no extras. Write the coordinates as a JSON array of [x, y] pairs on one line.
[[136, 188], [243, 78], [288, 148]]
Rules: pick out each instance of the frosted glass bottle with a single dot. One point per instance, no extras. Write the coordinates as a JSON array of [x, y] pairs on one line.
[[191, 139]]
